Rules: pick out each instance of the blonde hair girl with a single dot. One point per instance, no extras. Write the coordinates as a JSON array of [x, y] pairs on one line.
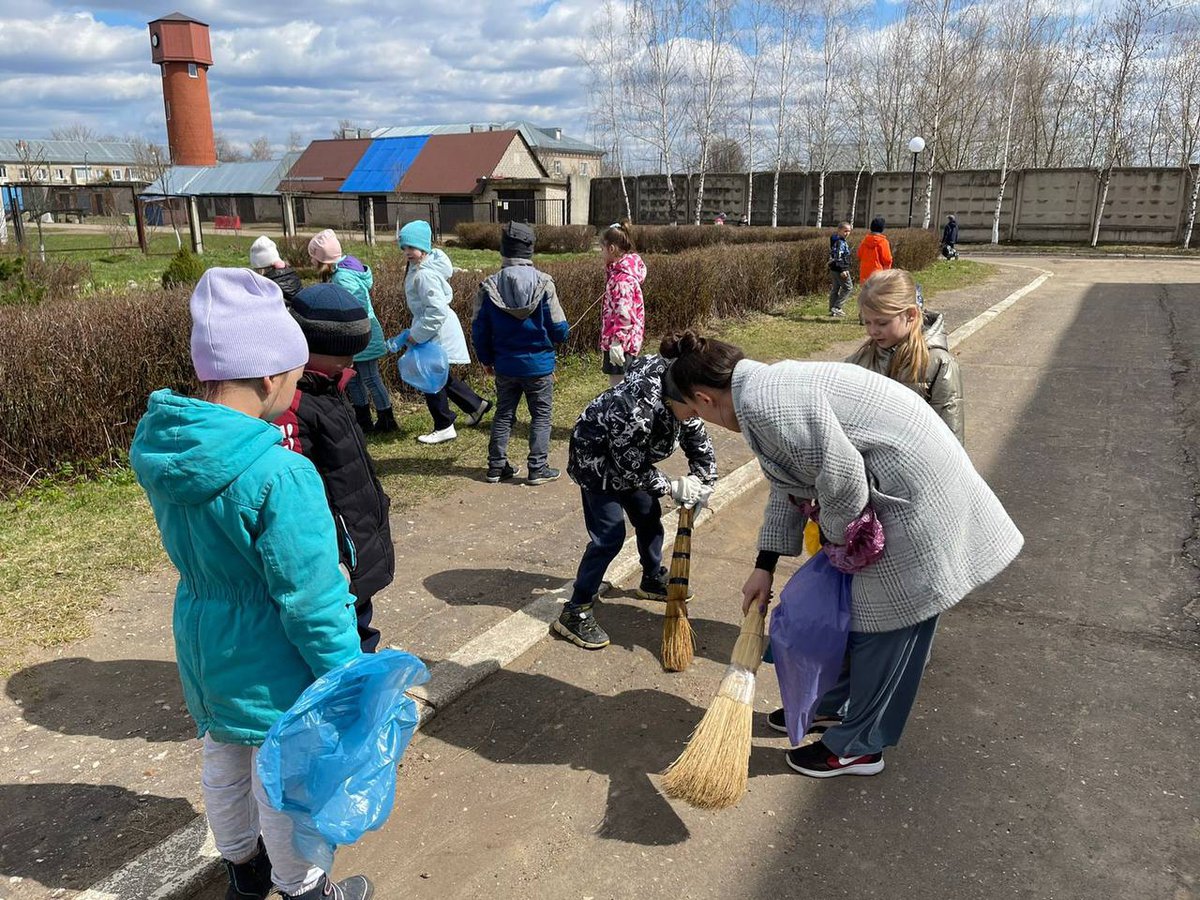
[[909, 345]]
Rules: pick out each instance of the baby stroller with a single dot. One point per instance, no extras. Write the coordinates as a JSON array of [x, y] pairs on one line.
[[949, 252]]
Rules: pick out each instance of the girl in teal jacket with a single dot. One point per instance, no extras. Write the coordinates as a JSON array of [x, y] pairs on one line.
[[262, 609], [349, 272]]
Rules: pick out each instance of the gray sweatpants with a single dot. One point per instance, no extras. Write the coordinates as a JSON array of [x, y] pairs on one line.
[[238, 812], [877, 688]]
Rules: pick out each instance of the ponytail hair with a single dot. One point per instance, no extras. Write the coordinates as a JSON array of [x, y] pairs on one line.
[[617, 235], [699, 362], [891, 292]]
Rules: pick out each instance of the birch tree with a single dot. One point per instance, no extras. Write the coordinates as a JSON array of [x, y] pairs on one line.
[[710, 34], [788, 19], [1188, 88], [658, 28], [1126, 35], [607, 55], [753, 36], [837, 18], [1020, 25]]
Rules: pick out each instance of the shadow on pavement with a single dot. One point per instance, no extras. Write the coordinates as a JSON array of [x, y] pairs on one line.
[[72, 835], [506, 588], [115, 700], [523, 719]]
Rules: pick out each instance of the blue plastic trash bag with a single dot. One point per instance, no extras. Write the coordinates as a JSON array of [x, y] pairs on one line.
[[809, 631], [422, 366], [330, 762]]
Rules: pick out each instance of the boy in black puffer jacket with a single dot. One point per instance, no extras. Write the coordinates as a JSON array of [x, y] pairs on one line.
[[320, 424]]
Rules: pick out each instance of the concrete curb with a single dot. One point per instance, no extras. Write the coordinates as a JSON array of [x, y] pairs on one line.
[[188, 859]]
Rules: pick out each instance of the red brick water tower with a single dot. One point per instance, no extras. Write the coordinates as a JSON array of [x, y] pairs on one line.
[[179, 44]]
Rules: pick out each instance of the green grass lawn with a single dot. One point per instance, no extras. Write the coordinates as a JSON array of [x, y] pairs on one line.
[[117, 269], [65, 544]]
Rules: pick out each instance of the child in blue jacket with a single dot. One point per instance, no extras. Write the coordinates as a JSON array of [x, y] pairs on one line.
[[516, 324], [262, 609]]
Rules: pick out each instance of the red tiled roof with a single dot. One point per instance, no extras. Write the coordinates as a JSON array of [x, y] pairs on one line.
[[454, 163], [324, 165]]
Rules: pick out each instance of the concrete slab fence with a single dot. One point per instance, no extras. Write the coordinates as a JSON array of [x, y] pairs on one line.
[[1144, 206]]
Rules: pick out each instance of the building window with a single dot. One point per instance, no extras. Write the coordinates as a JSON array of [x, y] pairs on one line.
[[583, 168], [558, 167], [62, 175], [193, 72], [3, 171], [168, 104]]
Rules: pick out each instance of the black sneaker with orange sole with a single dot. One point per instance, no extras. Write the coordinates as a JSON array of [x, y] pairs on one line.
[[818, 761]]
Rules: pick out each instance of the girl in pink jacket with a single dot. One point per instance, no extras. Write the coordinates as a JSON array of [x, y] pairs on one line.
[[623, 312]]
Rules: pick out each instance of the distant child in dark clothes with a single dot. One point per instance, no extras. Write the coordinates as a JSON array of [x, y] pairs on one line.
[[265, 260], [319, 423], [516, 325]]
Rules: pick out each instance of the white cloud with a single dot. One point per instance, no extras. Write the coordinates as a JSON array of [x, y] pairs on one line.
[[275, 71]]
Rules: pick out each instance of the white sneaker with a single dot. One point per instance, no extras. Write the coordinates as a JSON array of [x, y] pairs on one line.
[[439, 436]]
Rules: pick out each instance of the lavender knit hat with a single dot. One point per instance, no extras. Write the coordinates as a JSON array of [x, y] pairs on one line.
[[241, 329]]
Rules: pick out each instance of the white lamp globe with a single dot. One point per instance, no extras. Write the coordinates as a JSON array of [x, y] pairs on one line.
[[916, 145]]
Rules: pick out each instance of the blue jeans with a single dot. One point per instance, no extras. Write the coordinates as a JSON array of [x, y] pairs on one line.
[[367, 378], [604, 515], [839, 290], [877, 688], [538, 393]]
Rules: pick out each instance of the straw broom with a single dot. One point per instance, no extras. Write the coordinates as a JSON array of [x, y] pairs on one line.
[[678, 639], [711, 772]]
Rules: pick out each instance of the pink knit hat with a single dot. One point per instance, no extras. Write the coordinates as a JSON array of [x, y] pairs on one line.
[[324, 247], [241, 329]]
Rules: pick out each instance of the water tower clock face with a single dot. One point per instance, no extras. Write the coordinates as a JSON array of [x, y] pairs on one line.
[[154, 40]]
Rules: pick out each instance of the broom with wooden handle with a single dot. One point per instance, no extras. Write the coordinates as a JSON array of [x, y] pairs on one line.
[[678, 639], [712, 771]]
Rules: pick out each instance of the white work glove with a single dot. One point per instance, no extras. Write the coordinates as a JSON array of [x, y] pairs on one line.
[[616, 356], [690, 492]]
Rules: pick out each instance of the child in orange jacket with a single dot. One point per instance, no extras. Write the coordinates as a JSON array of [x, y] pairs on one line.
[[874, 253]]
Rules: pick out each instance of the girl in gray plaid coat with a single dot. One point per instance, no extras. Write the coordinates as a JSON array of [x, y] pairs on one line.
[[846, 440]]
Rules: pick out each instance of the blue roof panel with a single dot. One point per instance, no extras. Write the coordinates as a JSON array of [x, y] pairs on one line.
[[383, 165]]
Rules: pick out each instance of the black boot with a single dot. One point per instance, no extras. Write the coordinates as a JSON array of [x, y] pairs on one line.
[[356, 887], [363, 415], [251, 879], [387, 422]]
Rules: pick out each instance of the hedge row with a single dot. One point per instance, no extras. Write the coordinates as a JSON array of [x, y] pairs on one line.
[[677, 238], [78, 401], [550, 238]]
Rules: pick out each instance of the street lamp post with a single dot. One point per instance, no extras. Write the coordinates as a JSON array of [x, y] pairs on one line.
[[915, 146]]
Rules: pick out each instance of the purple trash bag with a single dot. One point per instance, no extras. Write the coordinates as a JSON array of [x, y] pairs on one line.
[[809, 631]]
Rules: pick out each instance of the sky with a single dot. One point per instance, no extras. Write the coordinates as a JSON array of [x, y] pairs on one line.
[[281, 67]]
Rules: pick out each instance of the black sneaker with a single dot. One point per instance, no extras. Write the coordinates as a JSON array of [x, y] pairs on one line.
[[777, 722], [579, 626], [654, 587], [542, 475], [818, 761], [251, 879], [507, 472], [476, 417], [356, 887]]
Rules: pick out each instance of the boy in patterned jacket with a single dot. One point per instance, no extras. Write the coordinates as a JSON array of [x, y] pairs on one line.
[[615, 445]]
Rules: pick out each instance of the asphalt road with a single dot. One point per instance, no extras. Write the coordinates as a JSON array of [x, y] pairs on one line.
[[1052, 748]]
